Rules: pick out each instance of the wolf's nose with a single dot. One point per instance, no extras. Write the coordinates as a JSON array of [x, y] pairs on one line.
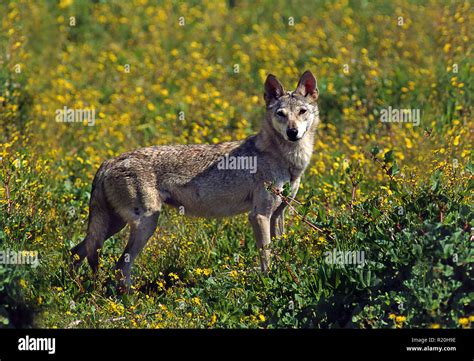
[[292, 133]]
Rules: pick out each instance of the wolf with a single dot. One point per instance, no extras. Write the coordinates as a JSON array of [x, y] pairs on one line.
[[132, 188]]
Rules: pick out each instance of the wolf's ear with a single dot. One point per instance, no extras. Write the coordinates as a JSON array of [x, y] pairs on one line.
[[273, 89], [307, 86]]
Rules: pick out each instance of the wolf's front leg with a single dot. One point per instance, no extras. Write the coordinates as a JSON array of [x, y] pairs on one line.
[[277, 222], [261, 230], [264, 205]]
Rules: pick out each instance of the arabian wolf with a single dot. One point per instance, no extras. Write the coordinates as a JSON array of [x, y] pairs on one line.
[[131, 188]]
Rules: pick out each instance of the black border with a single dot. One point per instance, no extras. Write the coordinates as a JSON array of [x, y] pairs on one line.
[[118, 344]]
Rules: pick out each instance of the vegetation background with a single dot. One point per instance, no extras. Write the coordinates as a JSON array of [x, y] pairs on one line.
[[398, 192]]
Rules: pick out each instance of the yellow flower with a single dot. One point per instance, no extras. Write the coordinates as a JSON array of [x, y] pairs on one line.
[[464, 321], [400, 319], [116, 308], [112, 57], [213, 320], [173, 276], [456, 140], [65, 3], [196, 300], [435, 326], [392, 316]]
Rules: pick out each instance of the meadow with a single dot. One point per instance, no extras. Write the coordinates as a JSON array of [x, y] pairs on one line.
[[165, 72]]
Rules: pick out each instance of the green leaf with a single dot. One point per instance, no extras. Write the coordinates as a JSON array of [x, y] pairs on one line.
[[470, 167], [322, 213], [375, 150], [388, 157], [394, 186], [3, 320], [286, 189], [394, 169], [435, 180]]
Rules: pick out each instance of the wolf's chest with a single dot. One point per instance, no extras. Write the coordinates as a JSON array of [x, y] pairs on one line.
[[298, 160]]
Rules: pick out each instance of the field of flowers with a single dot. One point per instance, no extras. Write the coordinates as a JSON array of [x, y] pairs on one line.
[[192, 72]]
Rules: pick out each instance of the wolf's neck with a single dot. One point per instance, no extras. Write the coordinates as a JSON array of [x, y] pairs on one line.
[[295, 154]]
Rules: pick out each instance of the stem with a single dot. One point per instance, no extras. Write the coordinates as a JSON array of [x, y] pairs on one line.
[[303, 218]]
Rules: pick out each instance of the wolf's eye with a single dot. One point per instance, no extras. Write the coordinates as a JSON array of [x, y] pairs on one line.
[[302, 111], [281, 113]]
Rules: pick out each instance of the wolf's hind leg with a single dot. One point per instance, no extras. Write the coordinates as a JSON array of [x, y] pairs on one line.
[[102, 225], [140, 231]]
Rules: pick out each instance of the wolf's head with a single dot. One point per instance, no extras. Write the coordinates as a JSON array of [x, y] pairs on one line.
[[292, 114]]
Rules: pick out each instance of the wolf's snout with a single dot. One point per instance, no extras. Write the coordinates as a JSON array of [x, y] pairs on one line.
[[292, 134]]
